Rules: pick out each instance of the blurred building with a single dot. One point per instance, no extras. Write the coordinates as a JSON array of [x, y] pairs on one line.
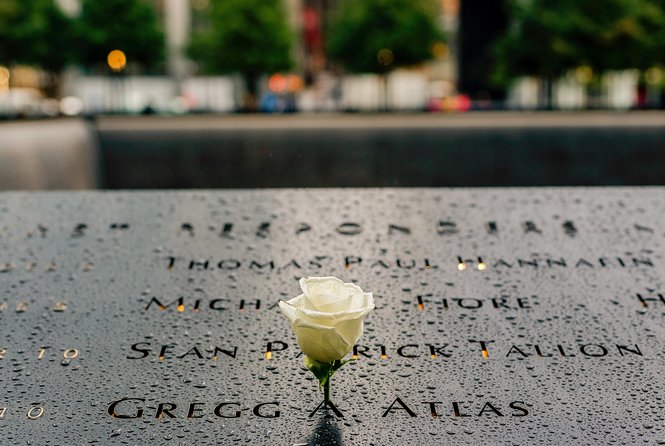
[[481, 23]]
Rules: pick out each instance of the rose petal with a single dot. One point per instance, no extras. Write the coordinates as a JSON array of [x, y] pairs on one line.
[[321, 343], [327, 294], [331, 318], [289, 307], [357, 296], [350, 331]]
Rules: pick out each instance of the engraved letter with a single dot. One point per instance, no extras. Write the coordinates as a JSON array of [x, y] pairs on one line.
[[136, 348], [404, 407], [113, 405], [257, 411], [218, 411], [515, 405]]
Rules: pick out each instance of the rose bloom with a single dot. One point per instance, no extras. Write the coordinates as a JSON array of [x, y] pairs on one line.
[[328, 317]]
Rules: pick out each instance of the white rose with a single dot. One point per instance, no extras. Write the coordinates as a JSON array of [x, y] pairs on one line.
[[328, 317]]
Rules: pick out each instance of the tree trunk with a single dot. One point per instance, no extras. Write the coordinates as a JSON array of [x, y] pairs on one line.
[[383, 104], [250, 99], [52, 84], [546, 95]]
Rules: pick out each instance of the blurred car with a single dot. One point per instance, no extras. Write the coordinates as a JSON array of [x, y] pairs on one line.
[[277, 103], [25, 103]]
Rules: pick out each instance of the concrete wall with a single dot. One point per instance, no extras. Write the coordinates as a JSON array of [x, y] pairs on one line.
[[236, 151], [42, 155], [390, 150]]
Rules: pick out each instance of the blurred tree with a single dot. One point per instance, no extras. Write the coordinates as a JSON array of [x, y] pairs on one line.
[[376, 36], [250, 37], [549, 37], [130, 26], [35, 32]]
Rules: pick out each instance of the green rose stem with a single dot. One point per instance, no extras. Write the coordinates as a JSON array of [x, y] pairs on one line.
[[324, 372], [326, 390]]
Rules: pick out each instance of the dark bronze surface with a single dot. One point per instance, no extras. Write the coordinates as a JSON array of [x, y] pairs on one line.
[[550, 331]]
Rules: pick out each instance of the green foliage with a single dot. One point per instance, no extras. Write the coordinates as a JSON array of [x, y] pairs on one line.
[[362, 28], [11, 12], [35, 32], [549, 37], [127, 25], [250, 37]]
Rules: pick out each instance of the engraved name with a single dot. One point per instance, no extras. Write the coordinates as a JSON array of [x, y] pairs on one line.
[[130, 408], [433, 350], [460, 263]]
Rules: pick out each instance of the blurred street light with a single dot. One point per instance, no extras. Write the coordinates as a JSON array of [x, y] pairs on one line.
[[117, 60], [200, 5], [277, 83], [4, 79], [385, 57], [654, 75], [71, 106], [440, 50], [584, 74]]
